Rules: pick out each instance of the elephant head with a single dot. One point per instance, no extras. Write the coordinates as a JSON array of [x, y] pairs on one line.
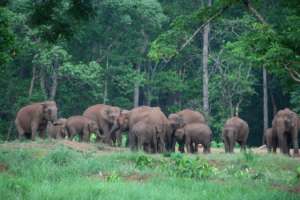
[[93, 128], [175, 121], [49, 110], [122, 122], [61, 122], [111, 114], [180, 134]]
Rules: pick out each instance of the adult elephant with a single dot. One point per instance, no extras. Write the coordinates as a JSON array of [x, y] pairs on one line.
[[179, 120], [152, 116], [82, 126], [56, 130], [271, 140], [193, 134], [285, 127], [105, 116], [235, 130], [33, 118]]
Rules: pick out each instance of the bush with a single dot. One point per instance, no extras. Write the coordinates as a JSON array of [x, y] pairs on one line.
[[61, 156], [143, 161], [187, 167]]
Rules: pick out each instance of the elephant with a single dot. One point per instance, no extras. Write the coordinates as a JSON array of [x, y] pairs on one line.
[[235, 130], [285, 128], [33, 118], [146, 137], [83, 126], [271, 140], [153, 116], [56, 130], [105, 116], [193, 134], [179, 120]]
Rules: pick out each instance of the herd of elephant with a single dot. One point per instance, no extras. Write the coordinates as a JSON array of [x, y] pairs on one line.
[[149, 129]]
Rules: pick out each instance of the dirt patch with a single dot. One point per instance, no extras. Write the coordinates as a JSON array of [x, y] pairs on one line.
[[3, 167], [285, 188], [137, 177]]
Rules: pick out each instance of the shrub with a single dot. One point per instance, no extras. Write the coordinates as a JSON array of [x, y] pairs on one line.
[[143, 161], [184, 166], [61, 156], [113, 177]]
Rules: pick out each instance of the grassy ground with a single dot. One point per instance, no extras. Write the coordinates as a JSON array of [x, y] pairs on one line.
[[70, 170]]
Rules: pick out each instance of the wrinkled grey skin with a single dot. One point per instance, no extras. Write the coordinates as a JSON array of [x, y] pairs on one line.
[[285, 127], [152, 116], [82, 126], [191, 135], [146, 137], [179, 120], [235, 130], [56, 130], [33, 118], [105, 116], [271, 140]]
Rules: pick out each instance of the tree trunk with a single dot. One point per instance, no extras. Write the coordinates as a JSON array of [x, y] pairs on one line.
[[137, 88], [205, 66], [265, 99], [138, 69], [274, 106], [32, 81], [105, 84], [43, 84], [54, 78]]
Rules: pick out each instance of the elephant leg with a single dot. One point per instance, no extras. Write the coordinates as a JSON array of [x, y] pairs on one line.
[[106, 133], [283, 143], [231, 145], [243, 146], [295, 142], [119, 138], [226, 145], [196, 147], [86, 136], [131, 140], [154, 142], [173, 144], [34, 128], [188, 145], [21, 132], [139, 143]]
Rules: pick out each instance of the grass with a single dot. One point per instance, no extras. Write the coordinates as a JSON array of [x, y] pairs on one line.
[[60, 172]]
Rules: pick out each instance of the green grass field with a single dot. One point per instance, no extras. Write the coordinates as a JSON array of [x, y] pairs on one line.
[[69, 170]]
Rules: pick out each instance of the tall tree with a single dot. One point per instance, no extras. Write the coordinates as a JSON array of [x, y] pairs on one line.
[[205, 65]]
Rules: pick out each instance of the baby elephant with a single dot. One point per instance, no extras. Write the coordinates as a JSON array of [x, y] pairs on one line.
[[56, 130], [271, 140], [193, 134], [235, 130], [144, 135], [82, 126]]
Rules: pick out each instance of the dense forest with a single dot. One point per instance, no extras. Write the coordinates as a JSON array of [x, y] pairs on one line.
[[222, 57]]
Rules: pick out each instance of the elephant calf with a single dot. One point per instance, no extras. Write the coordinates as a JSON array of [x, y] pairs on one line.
[[271, 140], [144, 135], [56, 130], [82, 126], [193, 134], [235, 130]]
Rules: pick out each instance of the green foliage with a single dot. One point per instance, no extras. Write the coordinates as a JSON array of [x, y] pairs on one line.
[[143, 161], [113, 177], [187, 167]]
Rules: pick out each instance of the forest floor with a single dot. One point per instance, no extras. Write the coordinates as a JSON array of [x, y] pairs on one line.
[[47, 169]]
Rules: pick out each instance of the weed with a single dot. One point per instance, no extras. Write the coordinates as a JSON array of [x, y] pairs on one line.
[[188, 167], [113, 177], [143, 161]]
